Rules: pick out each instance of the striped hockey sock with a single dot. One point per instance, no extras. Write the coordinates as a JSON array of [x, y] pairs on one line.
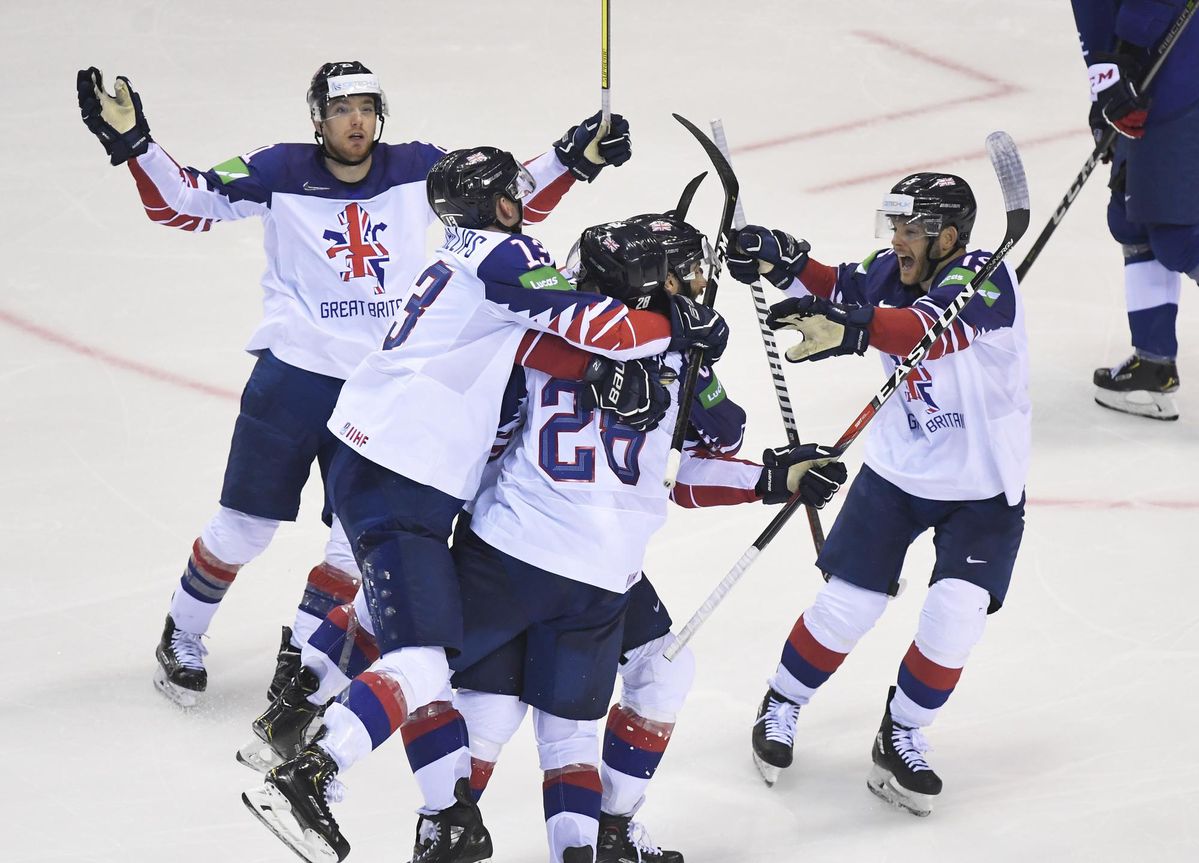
[[438, 749], [633, 749], [204, 583], [571, 798], [339, 650], [363, 717], [327, 588], [804, 665], [923, 688]]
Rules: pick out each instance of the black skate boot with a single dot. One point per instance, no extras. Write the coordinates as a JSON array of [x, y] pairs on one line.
[[900, 774], [287, 665], [454, 835], [623, 840], [286, 727], [293, 803], [1139, 386], [180, 675], [774, 735], [577, 854]]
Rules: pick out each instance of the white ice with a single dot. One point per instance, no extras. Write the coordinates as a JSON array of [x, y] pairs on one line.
[[120, 364]]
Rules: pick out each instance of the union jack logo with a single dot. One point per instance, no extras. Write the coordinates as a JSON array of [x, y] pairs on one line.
[[920, 389], [358, 241]]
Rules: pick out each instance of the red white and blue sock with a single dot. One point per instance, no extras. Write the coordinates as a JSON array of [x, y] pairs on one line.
[[327, 587], [805, 664], [633, 749], [204, 583], [363, 717], [435, 739], [339, 650], [571, 799]]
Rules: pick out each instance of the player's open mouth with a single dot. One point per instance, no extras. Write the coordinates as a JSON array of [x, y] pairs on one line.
[[906, 263]]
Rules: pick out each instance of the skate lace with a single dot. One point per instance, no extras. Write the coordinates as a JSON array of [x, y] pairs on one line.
[[428, 832], [779, 719], [188, 649], [335, 791], [910, 745], [639, 839]]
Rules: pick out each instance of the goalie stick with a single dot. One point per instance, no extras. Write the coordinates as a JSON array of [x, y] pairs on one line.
[[1005, 159], [728, 180], [1109, 138], [761, 308]]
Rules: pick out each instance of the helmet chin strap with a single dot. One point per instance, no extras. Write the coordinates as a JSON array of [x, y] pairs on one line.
[[320, 140]]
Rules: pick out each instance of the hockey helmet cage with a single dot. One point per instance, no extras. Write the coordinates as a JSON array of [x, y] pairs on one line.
[[343, 78], [624, 261], [463, 185], [933, 200]]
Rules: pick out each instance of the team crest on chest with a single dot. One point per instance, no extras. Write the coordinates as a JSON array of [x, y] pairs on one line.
[[920, 389], [358, 241]]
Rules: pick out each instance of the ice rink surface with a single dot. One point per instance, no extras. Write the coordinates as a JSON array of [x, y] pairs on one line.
[[120, 364]]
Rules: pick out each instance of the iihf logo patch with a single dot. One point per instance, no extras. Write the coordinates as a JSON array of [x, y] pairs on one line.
[[359, 242]]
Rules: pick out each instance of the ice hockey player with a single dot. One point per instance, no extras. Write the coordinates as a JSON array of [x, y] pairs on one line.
[[401, 475], [345, 231], [949, 452], [1153, 212]]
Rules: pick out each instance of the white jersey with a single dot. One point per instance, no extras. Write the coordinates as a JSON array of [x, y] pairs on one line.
[[427, 405], [578, 494], [959, 428], [340, 256]]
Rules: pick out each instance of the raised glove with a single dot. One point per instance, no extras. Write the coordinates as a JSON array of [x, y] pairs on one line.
[[696, 326], [631, 390], [775, 255], [808, 468], [586, 148], [117, 120], [1117, 104], [829, 329]]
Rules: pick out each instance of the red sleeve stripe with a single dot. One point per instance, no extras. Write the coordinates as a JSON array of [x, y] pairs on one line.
[[156, 206], [545, 199], [818, 278]]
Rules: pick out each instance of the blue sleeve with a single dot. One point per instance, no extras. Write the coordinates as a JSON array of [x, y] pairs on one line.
[[1096, 22], [993, 307], [717, 422], [861, 284], [1145, 22]]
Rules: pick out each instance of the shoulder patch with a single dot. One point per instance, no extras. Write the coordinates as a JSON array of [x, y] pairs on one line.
[[868, 260], [545, 279], [233, 169], [713, 394], [961, 276]]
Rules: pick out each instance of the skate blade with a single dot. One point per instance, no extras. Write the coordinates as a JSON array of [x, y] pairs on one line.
[[270, 807], [177, 694], [770, 773], [883, 786], [258, 756], [1157, 406]]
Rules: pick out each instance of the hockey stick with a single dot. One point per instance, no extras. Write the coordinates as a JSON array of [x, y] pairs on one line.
[[724, 236], [1005, 159], [605, 68], [689, 190], [772, 351], [1163, 50]]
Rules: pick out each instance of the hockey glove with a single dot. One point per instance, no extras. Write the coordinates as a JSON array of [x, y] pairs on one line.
[[829, 329], [586, 148], [117, 120], [1117, 105], [696, 326], [775, 255], [631, 390], [809, 468]]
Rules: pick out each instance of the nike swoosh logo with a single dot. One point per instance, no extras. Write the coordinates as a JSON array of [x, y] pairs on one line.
[[970, 559], [311, 188], [657, 606]]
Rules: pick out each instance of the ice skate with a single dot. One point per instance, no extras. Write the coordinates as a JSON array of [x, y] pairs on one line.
[[1139, 386], [294, 801], [622, 840], [774, 736], [577, 854], [900, 774], [286, 727], [287, 665], [454, 835], [180, 675]]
